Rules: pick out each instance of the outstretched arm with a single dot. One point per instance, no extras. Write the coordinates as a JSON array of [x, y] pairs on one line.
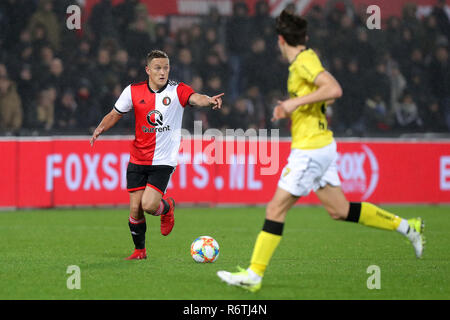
[[107, 123], [201, 100], [328, 90]]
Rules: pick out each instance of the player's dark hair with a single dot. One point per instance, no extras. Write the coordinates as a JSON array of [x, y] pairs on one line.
[[292, 28], [156, 54]]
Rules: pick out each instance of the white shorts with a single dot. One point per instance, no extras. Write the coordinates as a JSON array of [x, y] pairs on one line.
[[308, 170]]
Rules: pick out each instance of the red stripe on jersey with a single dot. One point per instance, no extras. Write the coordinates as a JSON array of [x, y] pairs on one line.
[[184, 92], [144, 144]]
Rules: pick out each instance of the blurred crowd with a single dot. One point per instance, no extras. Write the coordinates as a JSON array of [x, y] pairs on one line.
[[59, 81]]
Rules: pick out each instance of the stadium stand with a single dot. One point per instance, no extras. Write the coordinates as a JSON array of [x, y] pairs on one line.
[[58, 81]]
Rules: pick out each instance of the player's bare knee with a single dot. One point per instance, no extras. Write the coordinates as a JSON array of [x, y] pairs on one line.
[[150, 206], [336, 213]]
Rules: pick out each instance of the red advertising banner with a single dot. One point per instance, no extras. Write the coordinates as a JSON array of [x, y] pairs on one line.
[[48, 172]]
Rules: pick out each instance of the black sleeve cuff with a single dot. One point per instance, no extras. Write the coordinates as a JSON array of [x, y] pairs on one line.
[[119, 110]]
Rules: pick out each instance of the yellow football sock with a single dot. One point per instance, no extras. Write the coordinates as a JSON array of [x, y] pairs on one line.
[[373, 216], [265, 246]]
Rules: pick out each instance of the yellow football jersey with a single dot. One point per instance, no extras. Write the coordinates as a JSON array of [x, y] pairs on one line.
[[309, 127]]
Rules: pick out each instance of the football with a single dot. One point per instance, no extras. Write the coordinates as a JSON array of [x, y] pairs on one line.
[[204, 249]]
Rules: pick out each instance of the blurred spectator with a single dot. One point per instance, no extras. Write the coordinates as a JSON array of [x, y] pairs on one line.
[[393, 32], [103, 73], [440, 80], [237, 34], [217, 22], [433, 120], [183, 69], [278, 78], [41, 68], [337, 68], [161, 35], [45, 110], [407, 114], [45, 18], [261, 112], [442, 18], [182, 39], [366, 52], [3, 70], [409, 19], [415, 65], [291, 7], [431, 33], [378, 80], [197, 41], [376, 114], [257, 67], [420, 91], [120, 66], [66, 112], [221, 118], [213, 84], [213, 66], [10, 106], [351, 106], [22, 51], [107, 103], [88, 107], [262, 24], [102, 21], [240, 115], [170, 47], [137, 41], [344, 38], [27, 87], [57, 78], [397, 85], [344, 6], [317, 26], [189, 115], [210, 37], [219, 49], [12, 11], [197, 83], [124, 14], [141, 12], [402, 49]]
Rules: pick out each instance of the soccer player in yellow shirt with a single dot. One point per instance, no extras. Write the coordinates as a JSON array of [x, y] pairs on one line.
[[312, 161]]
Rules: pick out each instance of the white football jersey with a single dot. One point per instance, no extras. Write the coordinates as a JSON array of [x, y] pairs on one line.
[[159, 118]]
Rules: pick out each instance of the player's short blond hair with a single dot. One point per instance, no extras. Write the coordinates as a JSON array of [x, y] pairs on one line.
[[156, 54]]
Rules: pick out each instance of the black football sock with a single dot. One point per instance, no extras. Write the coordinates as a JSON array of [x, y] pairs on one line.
[[166, 206], [138, 229]]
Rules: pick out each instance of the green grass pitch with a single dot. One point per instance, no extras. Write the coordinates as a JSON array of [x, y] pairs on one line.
[[318, 258]]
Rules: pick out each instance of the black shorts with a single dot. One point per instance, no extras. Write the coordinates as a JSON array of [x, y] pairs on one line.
[[156, 177]]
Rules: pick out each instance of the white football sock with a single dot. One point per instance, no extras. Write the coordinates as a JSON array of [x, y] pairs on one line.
[[403, 227], [253, 276]]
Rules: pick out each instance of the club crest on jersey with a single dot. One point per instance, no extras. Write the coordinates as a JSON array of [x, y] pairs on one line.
[[166, 101], [155, 119]]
